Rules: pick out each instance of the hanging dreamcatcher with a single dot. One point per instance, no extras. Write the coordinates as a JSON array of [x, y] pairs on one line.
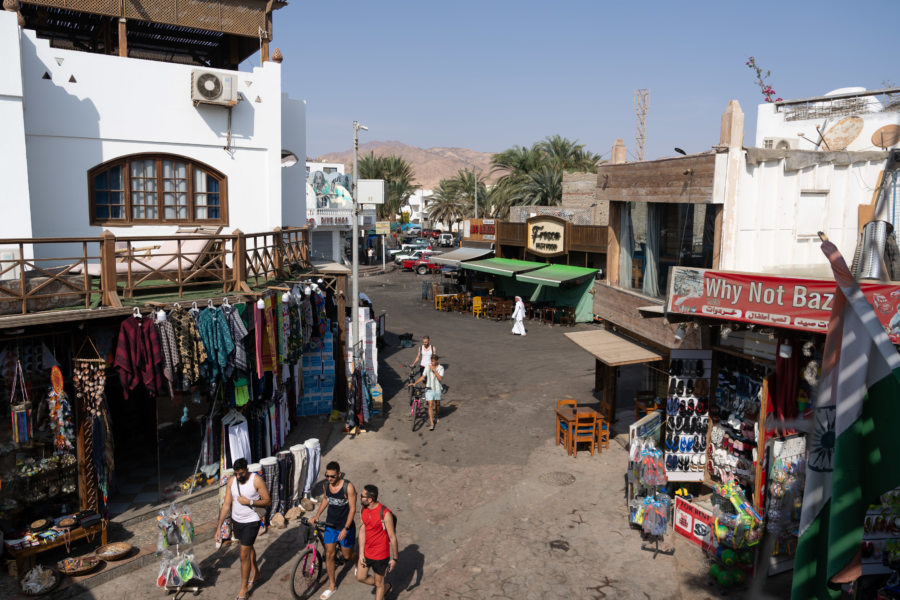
[[89, 378], [60, 413]]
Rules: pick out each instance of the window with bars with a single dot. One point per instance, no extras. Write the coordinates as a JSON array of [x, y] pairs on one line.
[[156, 189]]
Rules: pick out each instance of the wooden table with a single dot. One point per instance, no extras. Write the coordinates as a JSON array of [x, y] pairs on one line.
[[25, 558], [567, 415]]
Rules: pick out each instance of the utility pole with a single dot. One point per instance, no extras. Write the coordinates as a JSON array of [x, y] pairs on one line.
[[354, 314], [641, 106], [475, 177]]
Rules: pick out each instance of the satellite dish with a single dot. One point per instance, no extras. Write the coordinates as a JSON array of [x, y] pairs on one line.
[[843, 133], [886, 136]]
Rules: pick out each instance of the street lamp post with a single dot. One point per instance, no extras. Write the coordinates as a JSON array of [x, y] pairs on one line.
[[354, 314]]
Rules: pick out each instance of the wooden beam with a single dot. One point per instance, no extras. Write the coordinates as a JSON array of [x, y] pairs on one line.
[[717, 235], [123, 38], [612, 244]]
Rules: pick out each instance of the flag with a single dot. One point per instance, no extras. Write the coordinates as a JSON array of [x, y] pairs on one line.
[[854, 449]]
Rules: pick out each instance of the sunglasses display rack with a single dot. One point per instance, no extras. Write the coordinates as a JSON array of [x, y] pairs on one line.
[[687, 415]]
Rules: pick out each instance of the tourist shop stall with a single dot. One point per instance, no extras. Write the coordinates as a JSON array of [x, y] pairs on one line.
[[749, 400]]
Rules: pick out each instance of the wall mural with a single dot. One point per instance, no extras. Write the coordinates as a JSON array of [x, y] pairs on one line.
[[328, 191]]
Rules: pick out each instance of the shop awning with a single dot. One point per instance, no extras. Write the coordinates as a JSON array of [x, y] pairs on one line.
[[331, 268], [555, 275], [502, 266], [454, 257], [613, 349]]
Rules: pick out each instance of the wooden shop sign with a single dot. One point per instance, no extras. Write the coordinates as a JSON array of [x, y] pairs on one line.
[[546, 236]]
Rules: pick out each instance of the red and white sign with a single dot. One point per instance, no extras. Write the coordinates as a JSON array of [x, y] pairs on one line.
[[695, 524], [789, 302]]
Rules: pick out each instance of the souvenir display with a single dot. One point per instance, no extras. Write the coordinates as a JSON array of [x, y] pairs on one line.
[[113, 552], [39, 580], [78, 566], [60, 413]]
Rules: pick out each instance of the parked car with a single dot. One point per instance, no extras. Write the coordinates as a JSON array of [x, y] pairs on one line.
[[414, 255], [423, 266], [408, 248], [447, 240]]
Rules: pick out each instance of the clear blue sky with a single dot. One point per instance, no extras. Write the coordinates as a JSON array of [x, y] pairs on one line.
[[488, 75]]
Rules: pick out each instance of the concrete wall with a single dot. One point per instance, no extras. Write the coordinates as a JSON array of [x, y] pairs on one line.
[[579, 190], [16, 221], [95, 108], [293, 179]]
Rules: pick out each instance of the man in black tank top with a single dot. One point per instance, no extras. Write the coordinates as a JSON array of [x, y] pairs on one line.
[[340, 498]]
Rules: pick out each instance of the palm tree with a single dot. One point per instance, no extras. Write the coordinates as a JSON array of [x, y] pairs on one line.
[[444, 205], [568, 155], [533, 175], [464, 183], [398, 179]]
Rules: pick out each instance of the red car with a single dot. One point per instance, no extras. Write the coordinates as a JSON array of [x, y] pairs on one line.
[[419, 265]]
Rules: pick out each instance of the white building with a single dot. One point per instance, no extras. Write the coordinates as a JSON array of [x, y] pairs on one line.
[[817, 166], [417, 205], [113, 138]]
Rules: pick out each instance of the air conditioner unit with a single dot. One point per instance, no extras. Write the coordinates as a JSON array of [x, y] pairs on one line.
[[210, 87], [777, 143]]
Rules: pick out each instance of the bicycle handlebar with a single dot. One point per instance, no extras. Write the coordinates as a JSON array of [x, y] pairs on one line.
[[319, 524]]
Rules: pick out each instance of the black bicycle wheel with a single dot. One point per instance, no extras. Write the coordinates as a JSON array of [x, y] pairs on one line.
[[307, 576]]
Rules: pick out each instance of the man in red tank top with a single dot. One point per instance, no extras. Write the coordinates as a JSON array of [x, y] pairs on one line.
[[378, 541]]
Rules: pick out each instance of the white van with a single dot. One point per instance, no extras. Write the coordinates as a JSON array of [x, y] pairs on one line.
[[447, 240]]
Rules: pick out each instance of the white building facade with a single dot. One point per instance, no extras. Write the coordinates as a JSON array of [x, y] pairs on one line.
[[97, 142]]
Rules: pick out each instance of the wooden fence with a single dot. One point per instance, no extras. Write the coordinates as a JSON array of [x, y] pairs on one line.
[[39, 274]]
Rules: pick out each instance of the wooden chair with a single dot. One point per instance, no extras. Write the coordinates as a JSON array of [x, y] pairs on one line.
[[644, 403], [585, 430], [477, 307], [607, 410], [505, 310], [566, 315], [562, 429], [602, 434]]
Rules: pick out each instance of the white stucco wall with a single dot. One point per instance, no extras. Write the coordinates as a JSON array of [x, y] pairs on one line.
[[16, 221], [118, 106], [771, 228]]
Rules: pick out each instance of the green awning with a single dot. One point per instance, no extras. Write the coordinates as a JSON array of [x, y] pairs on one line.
[[502, 266], [555, 275]]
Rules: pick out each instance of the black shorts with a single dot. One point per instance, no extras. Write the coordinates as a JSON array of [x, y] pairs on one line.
[[379, 566], [245, 533]]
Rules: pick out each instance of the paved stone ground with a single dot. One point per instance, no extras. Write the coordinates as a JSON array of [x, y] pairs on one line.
[[488, 506]]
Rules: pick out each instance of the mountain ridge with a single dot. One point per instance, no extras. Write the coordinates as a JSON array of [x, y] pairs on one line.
[[429, 165]]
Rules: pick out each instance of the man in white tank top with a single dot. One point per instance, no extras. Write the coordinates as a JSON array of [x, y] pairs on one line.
[[423, 357], [244, 492]]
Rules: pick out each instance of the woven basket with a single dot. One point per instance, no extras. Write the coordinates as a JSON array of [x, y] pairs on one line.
[[114, 551], [88, 564], [56, 579]]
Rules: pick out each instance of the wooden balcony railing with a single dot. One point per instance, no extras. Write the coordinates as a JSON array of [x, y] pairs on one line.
[[39, 274]]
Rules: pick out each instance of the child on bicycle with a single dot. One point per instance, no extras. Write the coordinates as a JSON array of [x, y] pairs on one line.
[[433, 377]]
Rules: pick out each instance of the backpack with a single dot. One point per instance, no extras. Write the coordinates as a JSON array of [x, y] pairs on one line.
[[383, 526]]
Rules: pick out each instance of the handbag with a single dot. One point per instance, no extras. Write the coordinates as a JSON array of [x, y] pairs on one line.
[[259, 510], [20, 412]]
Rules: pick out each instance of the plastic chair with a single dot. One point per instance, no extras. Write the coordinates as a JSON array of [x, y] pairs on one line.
[[477, 307], [562, 429], [438, 302], [585, 430]]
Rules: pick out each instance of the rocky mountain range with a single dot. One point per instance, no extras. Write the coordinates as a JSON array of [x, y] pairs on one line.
[[429, 164]]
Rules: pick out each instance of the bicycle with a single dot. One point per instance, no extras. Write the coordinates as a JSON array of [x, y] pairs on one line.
[[416, 399], [308, 573]]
